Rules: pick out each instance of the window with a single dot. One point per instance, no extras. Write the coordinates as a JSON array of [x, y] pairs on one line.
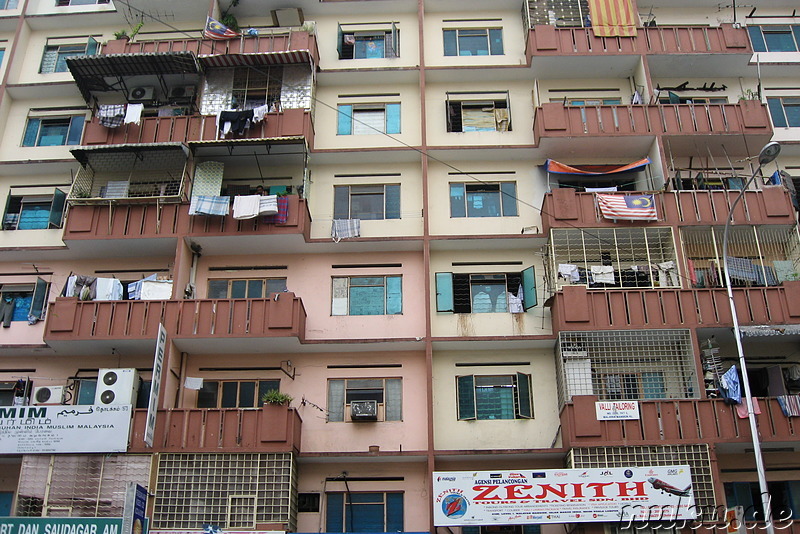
[[775, 38], [41, 131], [484, 293], [478, 112], [253, 88], [353, 43], [9, 4], [592, 101], [2, 55], [234, 394], [473, 42], [60, 3], [483, 199], [785, 497], [633, 386], [785, 111], [55, 56], [367, 295], [14, 391], [675, 99], [366, 202], [368, 119], [494, 397], [34, 212], [386, 392], [20, 302], [364, 512], [86, 390], [254, 288]]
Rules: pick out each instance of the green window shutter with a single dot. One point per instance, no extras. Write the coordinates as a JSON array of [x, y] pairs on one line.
[[524, 399], [334, 512], [508, 198], [335, 400], [450, 43], [31, 132], [339, 41], [91, 47], [466, 397], [775, 110], [458, 206], [394, 295], [757, 39], [393, 118], [341, 202], [529, 299], [344, 120], [75, 131], [57, 208], [86, 391], [392, 199], [39, 300], [496, 42], [394, 399], [444, 292]]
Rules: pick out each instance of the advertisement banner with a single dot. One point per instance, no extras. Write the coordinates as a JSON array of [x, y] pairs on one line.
[[562, 496], [155, 386], [64, 429], [60, 525], [616, 410], [133, 514]]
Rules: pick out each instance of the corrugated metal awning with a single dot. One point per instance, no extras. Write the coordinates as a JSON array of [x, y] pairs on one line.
[[261, 58], [84, 153], [770, 330]]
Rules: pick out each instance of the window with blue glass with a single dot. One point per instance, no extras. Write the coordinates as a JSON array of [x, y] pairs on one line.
[[785, 111], [473, 42], [34, 212], [364, 512], [785, 497], [367, 295], [23, 302], [486, 292], [9, 4], [368, 41], [366, 202], [368, 119], [54, 58], [776, 38], [53, 131], [489, 397], [482, 199]]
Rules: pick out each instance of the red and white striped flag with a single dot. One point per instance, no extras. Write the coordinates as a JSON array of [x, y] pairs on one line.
[[217, 31], [628, 207]]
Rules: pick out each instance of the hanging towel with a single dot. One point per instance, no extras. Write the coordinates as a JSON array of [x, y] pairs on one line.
[[668, 274], [731, 389], [133, 115], [260, 113], [203, 205], [192, 382], [156, 290], [569, 272], [784, 270], [246, 206], [742, 269], [790, 404], [602, 274], [636, 98], [135, 288], [344, 228], [741, 409], [111, 116], [515, 301], [109, 289], [692, 272], [268, 205], [282, 215]]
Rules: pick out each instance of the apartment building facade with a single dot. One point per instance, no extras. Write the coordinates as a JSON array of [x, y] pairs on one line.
[[430, 274]]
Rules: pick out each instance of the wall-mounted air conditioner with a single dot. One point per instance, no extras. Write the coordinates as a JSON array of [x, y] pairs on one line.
[[364, 410], [141, 94], [182, 93], [116, 386], [48, 395]]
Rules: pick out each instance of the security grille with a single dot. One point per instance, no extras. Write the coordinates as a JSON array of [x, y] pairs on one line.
[[636, 255], [228, 490], [695, 456], [562, 13], [78, 485], [759, 255], [631, 364]]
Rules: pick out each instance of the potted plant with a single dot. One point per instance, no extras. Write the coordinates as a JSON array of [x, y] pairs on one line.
[[276, 398]]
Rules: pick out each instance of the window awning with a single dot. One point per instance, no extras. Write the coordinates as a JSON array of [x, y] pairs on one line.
[[85, 154], [770, 330], [593, 170], [261, 58]]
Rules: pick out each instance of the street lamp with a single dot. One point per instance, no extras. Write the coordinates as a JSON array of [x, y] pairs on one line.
[[767, 154]]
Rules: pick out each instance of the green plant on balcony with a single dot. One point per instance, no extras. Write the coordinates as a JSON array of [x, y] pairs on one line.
[[748, 94], [229, 19], [276, 398], [123, 33]]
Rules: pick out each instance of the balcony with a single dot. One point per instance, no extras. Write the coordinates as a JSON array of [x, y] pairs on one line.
[[724, 39], [290, 123], [576, 308], [674, 421], [205, 326], [564, 208], [268, 429]]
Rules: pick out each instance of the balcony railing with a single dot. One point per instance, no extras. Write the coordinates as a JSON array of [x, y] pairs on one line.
[[545, 40], [288, 123], [675, 421], [696, 40], [565, 208], [69, 319], [154, 221], [577, 308], [553, 119], [268, 429]]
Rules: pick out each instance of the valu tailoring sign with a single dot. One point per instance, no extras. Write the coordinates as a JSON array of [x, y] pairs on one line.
[[64, 429], [562, 496]]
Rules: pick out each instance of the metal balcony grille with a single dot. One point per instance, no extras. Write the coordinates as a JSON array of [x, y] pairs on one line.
[[228, 490], [695, 456], [631, 365], [760, 255], [569, 13], [78, 485], [634, 254]]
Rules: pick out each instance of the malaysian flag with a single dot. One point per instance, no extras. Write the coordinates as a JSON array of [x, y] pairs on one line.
[[629, 207], [218, 31]]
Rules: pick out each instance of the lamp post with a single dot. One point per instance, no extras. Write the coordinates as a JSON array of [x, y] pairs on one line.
[[767, 154]]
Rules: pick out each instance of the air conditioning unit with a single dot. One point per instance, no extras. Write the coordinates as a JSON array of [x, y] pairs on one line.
[[141, 94], [116, 386], [364, 410], [182, 93], [48, 395]]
